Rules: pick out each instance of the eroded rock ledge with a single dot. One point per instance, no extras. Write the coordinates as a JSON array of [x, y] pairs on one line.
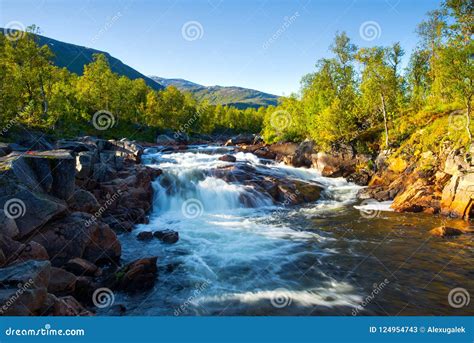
[[431, 183], [61, 206]]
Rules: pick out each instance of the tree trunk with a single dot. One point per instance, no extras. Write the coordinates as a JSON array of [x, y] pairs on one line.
[[384, 111]]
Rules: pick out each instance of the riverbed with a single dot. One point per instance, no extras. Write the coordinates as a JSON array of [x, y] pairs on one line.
[[329, 257]]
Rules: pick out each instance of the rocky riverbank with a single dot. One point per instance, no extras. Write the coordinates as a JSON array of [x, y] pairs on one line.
[[63, 203], [433, 183], [61, 207]]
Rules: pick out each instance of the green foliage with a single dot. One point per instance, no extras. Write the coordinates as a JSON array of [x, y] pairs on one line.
[[361, 97], [39, 95]]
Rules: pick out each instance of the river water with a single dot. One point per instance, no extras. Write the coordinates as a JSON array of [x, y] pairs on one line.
[[322, 258]]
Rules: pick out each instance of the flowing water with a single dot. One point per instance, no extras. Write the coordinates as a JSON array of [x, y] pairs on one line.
[[322, 258]]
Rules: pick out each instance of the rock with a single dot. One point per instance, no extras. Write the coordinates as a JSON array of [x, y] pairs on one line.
[[137, 275], [74, 146], [285, 149], [243, 139], [16, 252], [446, 231], [5, 149], [65, 306], [360, 178], [340, 161], [80, 267], [23, 288], [8, 226], [302, 156], [455, 163], [165, 140], [458, 196], [83, 201], [227, 158], [3, 259], [167, 236], [79, 235], [145, 235], [417, 197], [103, 172], [85, 162], [30, 209], [264, 152], [61, 282]]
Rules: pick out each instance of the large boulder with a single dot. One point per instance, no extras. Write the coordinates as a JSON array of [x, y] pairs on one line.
[[7, 225], [23, 288], [446, 231], [458, 196], [78, 235], [83, 201], [80, 267], [137, 275], [227, 158], [30, 210], [418, 197], [167, 236], [63, 306], [16, 252], [61, 282]]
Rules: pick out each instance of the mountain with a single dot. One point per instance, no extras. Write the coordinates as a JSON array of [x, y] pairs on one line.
[[74, 57], [233, 96]]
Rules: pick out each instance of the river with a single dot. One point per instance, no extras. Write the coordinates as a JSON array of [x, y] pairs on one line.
[[321, 258]]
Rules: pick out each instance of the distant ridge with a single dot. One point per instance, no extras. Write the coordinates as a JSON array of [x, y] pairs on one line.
[[238, 97], [74, 57]]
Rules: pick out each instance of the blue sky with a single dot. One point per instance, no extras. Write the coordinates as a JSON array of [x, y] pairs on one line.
[[265, 45]]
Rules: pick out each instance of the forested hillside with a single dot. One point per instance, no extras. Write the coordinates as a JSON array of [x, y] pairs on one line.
[[238, 97], [357, 95]]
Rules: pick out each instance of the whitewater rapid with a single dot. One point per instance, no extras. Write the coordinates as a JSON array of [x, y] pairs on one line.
[[236, 258]]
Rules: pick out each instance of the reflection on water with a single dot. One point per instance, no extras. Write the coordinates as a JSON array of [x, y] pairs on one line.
[[325, 258]]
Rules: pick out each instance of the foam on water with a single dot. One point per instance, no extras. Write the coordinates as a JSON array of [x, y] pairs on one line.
[[244, 252]]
